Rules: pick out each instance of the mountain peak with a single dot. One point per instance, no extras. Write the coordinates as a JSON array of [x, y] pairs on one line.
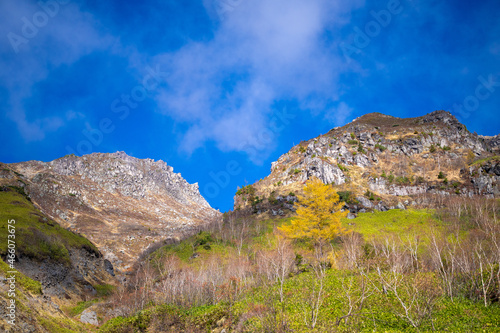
[[361, 155], [121, 203]]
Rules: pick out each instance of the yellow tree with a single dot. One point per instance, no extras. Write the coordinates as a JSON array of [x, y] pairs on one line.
[[318, 214]]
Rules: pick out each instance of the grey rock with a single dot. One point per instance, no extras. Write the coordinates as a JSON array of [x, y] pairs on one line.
[[325, 171], [351, 216], [131, 176], [381, 207], [400, 206], [108, 266], [89, 317], [361, 160], [365, 202], [279, 212]]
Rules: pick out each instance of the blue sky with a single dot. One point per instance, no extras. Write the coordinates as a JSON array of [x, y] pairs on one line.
[[221, 88]]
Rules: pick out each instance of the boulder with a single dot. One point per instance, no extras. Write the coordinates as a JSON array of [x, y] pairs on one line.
[[325, 171], [89, 317], [364, 202], [381, 207]]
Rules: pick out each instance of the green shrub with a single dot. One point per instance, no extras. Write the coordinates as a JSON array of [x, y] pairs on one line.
[[249, 189], [203, 238], [402, 180], [390, 179], [104, 290], [272, 199], [345, 196], [22, 280], [342, 167]]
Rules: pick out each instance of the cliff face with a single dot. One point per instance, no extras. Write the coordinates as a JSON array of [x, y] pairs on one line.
[[391, 158], [121, 203]]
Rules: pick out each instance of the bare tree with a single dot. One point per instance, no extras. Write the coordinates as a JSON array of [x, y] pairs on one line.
[[356, 294], [315, 286]]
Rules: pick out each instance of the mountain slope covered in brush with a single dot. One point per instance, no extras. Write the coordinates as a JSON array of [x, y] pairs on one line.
[[380, 161]]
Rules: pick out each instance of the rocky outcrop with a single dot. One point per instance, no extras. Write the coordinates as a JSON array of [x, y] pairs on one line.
[[66, 280], [391, 157], [128, 176], [121, 203], [89, 317], [485, 177], [328, 173]]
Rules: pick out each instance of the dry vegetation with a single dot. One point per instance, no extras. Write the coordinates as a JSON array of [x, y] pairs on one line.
[[241, 275]]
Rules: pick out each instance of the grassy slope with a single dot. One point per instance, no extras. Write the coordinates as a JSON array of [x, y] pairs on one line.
[[459, 316], [394, 222], [37, 236]]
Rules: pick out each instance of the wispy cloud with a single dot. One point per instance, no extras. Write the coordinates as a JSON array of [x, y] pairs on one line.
[[339, 115], [263, 52], [64, 39]]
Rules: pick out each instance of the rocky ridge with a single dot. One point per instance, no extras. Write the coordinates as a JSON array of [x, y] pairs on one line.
[[387, 161], [121, 203]]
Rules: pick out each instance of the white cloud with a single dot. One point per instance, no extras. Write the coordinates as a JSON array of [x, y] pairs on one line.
[[263, 52], [338, 116]]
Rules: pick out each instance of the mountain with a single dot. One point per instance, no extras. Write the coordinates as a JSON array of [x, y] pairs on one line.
[[379, 161], [54, 266], [122, 204]]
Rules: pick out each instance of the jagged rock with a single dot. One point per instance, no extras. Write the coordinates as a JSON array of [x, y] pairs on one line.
[[400, 206], [365, 202], [401, 147], [325, 171], [361, 160], [89, 317], [378, 185], [381, 207], [119, 202], [279, 212], [351, 216], [405, 190], [109, 267]]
